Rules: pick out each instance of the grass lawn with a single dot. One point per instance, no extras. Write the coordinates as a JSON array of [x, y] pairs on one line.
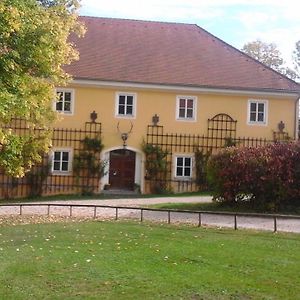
[[214, 206], [119, 260]]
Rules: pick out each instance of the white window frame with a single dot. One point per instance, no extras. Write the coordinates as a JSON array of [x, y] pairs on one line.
[[195, 100], [266, 108], [70, 161], [134, 105], [175, 163], [72, 104]]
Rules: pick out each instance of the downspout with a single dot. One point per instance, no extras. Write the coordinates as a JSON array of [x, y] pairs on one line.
[[297, 117]]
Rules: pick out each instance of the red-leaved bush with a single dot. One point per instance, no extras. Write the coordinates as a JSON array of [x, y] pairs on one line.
[[267, 176]]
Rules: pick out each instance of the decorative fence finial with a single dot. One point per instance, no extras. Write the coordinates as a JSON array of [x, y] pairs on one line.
[[155, 120], [93, 116], [281, 126]]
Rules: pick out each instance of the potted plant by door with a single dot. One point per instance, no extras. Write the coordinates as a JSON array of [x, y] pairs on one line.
[[106, 187]]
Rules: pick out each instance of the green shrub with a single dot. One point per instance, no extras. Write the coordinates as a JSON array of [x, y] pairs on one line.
[[268, 176]]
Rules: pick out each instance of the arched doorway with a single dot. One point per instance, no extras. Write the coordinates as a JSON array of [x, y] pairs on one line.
[[122, 169]]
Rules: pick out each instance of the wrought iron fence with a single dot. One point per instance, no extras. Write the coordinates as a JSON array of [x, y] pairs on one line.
[[41, 179], [217, 138], [275, 222], [221, 132]]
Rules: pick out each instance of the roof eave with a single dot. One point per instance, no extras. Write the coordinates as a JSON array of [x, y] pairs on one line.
[[187, 88]]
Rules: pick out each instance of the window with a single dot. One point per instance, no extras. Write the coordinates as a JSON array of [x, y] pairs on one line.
[[61, 162], [125, 105], [183, 166], [64, 101], [257, 112], [186, 108]]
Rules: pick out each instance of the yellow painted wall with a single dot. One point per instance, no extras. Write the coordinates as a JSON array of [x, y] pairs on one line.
[[102, 100]]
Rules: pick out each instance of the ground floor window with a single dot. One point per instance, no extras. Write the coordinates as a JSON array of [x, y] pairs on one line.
[[183, 166], [61, 161]]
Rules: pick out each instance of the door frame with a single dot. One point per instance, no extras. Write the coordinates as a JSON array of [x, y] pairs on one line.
[[139, 166], [122, 174]]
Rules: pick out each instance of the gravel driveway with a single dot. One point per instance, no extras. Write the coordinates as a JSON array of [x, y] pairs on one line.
[[283, 224]]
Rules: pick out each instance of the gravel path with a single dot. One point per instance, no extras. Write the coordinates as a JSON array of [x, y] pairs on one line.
[[259, 223], [138, 201]]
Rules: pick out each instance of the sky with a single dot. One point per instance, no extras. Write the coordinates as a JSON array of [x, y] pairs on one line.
[[234, 21]]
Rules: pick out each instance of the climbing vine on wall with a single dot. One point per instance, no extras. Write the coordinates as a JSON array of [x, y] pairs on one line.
[[156, 166], [87, 165]]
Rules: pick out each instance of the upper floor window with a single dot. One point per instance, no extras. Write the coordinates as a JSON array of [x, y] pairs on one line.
[[186, 108], [61, 161], [64, 101], [125, 105], [257, 112], [183, 166]]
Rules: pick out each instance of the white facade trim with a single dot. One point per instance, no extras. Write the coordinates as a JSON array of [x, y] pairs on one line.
[[187, 89], [139, 166]]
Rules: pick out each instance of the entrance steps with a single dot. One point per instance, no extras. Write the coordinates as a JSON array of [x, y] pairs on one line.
[[120, 192]]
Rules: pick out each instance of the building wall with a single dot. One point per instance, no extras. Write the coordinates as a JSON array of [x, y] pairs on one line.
[[163, 103], [103, 100], [173, 136]]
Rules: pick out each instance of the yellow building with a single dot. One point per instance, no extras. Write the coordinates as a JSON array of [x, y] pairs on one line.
[[174, 86]]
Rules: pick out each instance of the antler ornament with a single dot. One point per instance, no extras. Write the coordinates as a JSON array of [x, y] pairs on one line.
[[125, 135]]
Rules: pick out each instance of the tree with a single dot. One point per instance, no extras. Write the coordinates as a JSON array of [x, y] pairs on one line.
[[33, 47], [296, 57], [269, 55], [47, 3]]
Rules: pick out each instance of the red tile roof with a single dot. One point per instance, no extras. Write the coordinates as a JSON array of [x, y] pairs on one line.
[[167, 53]]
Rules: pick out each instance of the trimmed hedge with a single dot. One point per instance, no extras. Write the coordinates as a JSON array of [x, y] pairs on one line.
[[267, 176]]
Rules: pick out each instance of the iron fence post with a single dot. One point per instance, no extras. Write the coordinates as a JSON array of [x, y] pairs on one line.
[[199, 223], [116, 213], [235, 222], [275, 224], [95, 212], [142, 215]]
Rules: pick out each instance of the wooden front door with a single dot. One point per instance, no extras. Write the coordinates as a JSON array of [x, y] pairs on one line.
[[122, 169]]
